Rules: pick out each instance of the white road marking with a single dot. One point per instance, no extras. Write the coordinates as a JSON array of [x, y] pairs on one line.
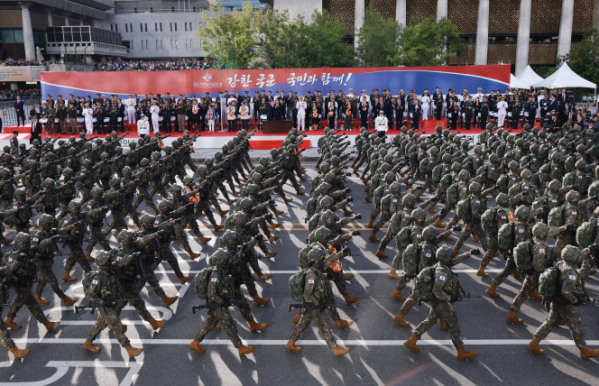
[[354, 271], [165, 313], [314, 342], [62, 367]]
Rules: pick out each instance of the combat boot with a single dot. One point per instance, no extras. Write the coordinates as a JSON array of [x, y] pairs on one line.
[[235, 193], [218, 227], [300, 192], [50, 325], [88, 256], [230, 201], [257, 326], [41, 301], [396, 294], [168, 300], [292, 347], [348, 276], [68, 301], [393, 274], [66, 276], [340, 323], [440, 224], [592, 272], [18, 353], [270, 254], [481, 272], [204, 240], [587, 353], [373, 237], [222, 212], [11, 324], [475, 238], [513, 318], [456, 251], [274, 226], [419, 197], [156, 324], [340, 351], [492, 291], [195, 346], [89, 346], [370, 223], [399, 319], [264, 277], [6, 240], [367, 198], [296, 318], [278, 212], [192, 254], [443, 325], [244, 350], [272, 239], [431, 209], [185, 279], [132, 351], [517, 274], [535, 296], [347, 212], [411, 344], [464, 354], [349, 300], [258, 301], [534, 346], [380, 254], [287, 200]]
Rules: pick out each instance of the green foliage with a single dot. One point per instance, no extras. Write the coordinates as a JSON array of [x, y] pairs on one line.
[[325, 45], [231, 38], [584, 56], [378, 40], [429, 43]]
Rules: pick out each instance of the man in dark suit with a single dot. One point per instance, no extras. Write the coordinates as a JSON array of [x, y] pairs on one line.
[[36, 129], [562, 97], [554, 104], [20, 109], [416, 112]]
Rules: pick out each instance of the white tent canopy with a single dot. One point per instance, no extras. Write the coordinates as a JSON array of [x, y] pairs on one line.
[[529, 76], [517, 83], [565, 77]]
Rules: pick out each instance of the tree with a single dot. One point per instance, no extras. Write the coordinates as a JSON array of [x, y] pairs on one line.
[[325, 43], [584, 56], [378, 40], [429, 43], [231, 38]]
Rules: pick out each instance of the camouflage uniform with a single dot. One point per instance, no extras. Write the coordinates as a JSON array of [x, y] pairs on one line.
[[128, 270], [45, 249], [73, 229]]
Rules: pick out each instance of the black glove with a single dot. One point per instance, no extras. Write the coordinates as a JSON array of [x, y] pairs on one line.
[[355, 233], [161, 234], [594, 198], [580, 300], [524, 193], [104, 209], [309, 306], [435, 199], [321, 305], [570, 227], [475, 252], [546, 208], [268, 216], [575, 187], [271, 201], [225, 303], [346, 251], [455, 298], [357, 217], [497, 187], [594, 248], [189, 206], [457, 228], [348, 190], [349, 199], [259, 237]]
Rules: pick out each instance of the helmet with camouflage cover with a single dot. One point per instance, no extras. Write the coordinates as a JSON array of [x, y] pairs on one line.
[[502, 199], [125, 236], [240, 220], [74, 207], [229, 239], [330, 178], [526, 174], [513, 165], [67, 172], [47, 222], [127, 171], [115, 182], [118, 150], [581, 165], [260, 169], [571, 255], [97, 192], [264, 161], [408, 201], [252, 188], [103, 259], [316, 256], [540, 231], [325, 167], [494, 158], [430, 233], [475, 187], [87, 163], [21, 194], [555, 156], [446, 158], [144, 162], [5, 173], [418, 215], [166, 206], [187, 181], [554, 186], [335, 161], [444, 254], [389, 177], [48, 183], [388, 159], [573, 197], [522, 213], [147, 221], [220, 259], [256, 177], [456, 167], [324, 203], [245, 204], [104, 155], [328, 218], [176, 189], [22, 241], [464, 175], [395, 188], [155, 155]]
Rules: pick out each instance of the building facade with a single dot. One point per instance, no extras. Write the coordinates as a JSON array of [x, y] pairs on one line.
[[518, 32]]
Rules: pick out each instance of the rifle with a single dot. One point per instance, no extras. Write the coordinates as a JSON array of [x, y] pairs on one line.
[[92, 306], [211, 307], [302, 306]]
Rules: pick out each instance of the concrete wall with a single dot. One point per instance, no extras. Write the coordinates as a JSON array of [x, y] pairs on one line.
[[296, 8]]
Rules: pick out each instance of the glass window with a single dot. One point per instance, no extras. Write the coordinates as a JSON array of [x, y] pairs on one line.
[[161, 45], [49, 35], [146, 44], [131, 44], [141, 27], [142, 44], [68, 35], [9, 36], [19, 36], [111, 26], [176, 44], [160, 27], [171, 24], [76, 34], [126, 28], [190, 43], [172, 44], [85, 34], [156, 27], [131, 27], [175, 27]]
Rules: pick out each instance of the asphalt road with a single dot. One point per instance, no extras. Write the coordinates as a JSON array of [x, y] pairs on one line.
[[377, 353]]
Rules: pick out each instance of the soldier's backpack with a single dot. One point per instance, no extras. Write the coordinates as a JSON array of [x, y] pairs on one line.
[[410, 258], [548, 282], [202, 280], [586, 233], [463, 210], [311, 207], [297, 284], [489, 220], [556, 217], [424, 283], [522, 256], [505, 237], [402, 239], [423, 166], [437, 173], [89, 278]]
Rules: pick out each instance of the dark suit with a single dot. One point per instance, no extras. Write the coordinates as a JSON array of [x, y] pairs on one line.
[[19, 108], [36, 131]]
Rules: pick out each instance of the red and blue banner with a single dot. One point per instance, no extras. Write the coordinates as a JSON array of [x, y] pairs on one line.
[[198, 82]]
